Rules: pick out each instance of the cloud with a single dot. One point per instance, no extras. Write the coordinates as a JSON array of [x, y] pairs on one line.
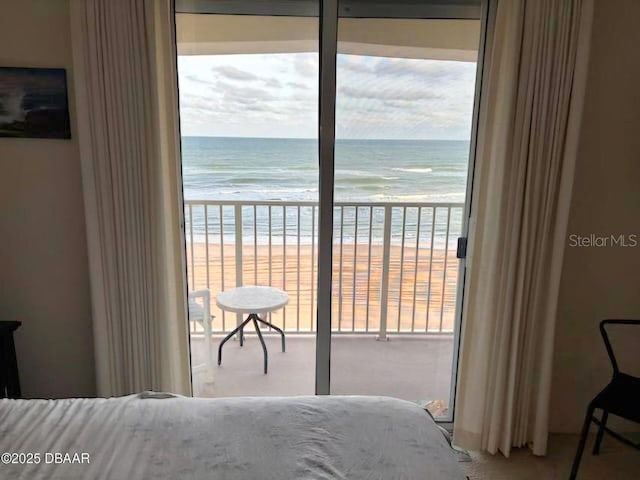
[[298, 85], [388, 93], [190, 100], [306, 65], [196, 79], [277, 95], [354, 63], [243, 95], [272, 82], [233, 73], [434, 69]]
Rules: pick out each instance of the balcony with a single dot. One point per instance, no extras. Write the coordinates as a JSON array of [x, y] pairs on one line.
[[395, 277]]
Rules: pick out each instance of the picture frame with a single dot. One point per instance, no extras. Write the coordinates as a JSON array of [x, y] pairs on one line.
[[34, 103]]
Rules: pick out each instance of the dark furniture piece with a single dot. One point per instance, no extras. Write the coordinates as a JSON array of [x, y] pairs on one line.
[[9, 382], [620, 397]]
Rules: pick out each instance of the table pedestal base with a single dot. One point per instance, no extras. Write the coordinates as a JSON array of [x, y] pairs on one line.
[[253, 317]]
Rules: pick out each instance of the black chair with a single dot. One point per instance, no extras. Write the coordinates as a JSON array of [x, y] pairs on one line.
[[621, 397], [9, 381]]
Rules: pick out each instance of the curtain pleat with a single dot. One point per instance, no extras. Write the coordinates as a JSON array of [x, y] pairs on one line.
[[532, 95], [126, 84]]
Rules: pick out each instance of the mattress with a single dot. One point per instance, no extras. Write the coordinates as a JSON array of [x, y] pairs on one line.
[[162, 436]]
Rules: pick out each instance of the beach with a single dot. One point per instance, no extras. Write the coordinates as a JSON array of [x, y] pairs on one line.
[[356, 304], [285, 171]]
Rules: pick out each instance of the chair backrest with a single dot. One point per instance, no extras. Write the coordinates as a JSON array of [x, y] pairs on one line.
[[199, 312], [632, 347]]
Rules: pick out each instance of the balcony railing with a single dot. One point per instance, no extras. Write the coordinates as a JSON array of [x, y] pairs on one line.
[[394, 264]]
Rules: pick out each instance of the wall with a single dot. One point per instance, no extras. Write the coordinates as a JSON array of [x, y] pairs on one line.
[[44, 279], [603, 282]]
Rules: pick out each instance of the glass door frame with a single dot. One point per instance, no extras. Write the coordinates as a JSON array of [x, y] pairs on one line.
[[487, 18], [329, 15], [326, 144]]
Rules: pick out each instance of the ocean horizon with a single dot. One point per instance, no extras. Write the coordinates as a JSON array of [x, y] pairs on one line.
[[286, 169]]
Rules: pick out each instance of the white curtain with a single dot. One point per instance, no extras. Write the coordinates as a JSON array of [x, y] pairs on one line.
[[126, 90], [533, 83]]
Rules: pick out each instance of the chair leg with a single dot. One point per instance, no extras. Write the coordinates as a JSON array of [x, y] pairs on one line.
[[603, 424], [582, 442], [207, 333]]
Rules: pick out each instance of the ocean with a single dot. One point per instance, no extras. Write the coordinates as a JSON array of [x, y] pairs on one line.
[[284, 169]]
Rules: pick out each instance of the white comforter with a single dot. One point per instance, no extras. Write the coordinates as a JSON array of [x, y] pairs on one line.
[[142, 437]]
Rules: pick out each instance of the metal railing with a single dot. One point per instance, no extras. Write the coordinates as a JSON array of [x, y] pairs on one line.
[[394, 264]]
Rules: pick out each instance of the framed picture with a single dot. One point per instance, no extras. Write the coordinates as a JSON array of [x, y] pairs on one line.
[[33, 103]]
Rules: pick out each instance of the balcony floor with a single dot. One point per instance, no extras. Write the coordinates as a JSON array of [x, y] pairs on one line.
[[409, 367]]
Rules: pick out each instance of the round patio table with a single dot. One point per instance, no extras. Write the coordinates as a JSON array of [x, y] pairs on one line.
[[252, 300]]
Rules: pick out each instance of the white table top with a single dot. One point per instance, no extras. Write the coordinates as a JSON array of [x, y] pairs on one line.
[[252, 299]]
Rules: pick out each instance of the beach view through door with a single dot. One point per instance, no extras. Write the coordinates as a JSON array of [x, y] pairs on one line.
[[249, 101], [249, 122], [404, 109]]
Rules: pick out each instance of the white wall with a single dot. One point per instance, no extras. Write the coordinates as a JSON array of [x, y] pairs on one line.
[[44, 280], [600, 283]]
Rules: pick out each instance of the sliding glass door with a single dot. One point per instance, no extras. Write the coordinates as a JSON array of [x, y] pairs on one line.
[[404, 109], [327, 152], [248, 79]]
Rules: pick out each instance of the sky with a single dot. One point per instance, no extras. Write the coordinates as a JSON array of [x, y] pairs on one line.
[[276, 95]]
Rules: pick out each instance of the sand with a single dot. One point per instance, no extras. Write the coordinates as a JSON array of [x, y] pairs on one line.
[[416, 301]]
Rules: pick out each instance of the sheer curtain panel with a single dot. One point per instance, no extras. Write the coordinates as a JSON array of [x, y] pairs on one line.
[[531, 104], [126, 87]]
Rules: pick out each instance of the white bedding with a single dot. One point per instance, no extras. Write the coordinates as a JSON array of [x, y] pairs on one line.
[[310, 438]]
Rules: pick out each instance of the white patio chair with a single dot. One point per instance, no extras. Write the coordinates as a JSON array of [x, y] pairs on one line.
[[200, 312]]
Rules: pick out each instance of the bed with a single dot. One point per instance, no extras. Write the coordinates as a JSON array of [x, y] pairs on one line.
[[164, 436]]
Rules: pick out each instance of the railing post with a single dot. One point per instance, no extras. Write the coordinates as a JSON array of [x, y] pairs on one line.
[[384, 287], [238, 245]]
